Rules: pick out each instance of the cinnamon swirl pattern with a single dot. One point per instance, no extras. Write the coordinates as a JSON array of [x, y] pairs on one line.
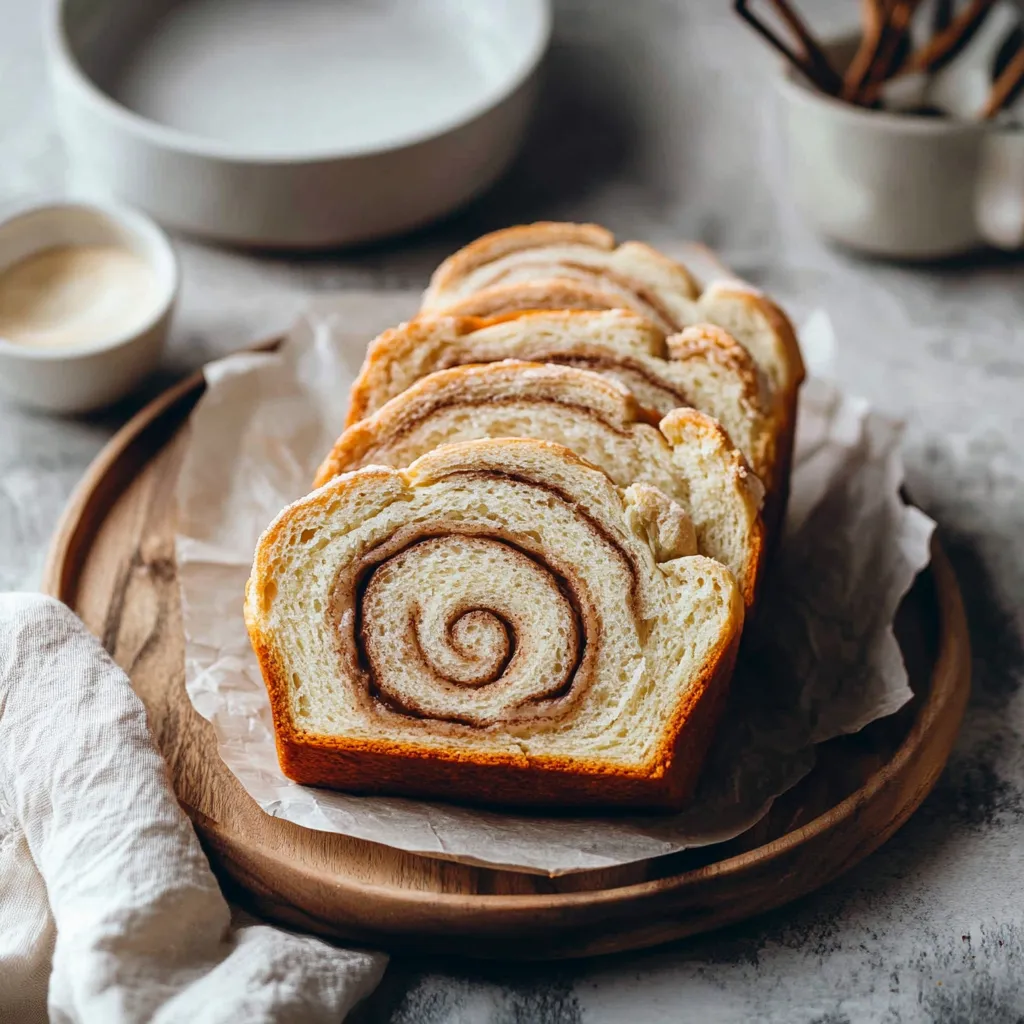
[[497, 623], [686, 455]]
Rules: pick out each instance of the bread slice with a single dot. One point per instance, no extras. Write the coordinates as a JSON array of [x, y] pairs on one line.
[[497, 623], [710, 372], [579, 266], [687, 455], [587, 270]]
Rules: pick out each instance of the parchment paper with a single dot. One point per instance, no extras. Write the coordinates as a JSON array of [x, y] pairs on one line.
[[820, 658]]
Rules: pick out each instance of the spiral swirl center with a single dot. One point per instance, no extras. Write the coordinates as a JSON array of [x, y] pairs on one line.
[[477, 650], [467, 628]]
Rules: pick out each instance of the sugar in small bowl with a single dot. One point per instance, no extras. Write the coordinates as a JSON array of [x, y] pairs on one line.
[[86, 296]]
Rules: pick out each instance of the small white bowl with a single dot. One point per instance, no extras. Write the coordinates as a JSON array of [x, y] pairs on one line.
[[84, 377], [293, 123]]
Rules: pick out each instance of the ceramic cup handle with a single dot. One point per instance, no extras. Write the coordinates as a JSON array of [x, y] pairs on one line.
[[999, 200]]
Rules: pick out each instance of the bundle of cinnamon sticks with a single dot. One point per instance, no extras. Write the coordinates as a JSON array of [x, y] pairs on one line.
[[887, 48]]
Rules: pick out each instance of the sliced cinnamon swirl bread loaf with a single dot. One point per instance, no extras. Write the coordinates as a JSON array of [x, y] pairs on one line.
[[686, 454], [497, 623]]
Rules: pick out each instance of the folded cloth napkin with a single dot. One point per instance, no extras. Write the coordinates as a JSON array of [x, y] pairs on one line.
[[108, 908]]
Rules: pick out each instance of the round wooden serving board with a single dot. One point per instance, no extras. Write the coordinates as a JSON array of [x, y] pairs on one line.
[[112, 560]]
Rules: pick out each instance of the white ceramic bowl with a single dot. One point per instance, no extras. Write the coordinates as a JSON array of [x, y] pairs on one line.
[[293, 123], [84, 377]]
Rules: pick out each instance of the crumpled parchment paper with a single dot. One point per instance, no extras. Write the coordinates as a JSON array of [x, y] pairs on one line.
[[820, 657]]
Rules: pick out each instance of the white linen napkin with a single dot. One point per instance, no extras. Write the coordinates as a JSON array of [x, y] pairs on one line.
[[109, 911]]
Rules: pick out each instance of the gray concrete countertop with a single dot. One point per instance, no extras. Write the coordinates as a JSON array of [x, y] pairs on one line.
[[658, 120]]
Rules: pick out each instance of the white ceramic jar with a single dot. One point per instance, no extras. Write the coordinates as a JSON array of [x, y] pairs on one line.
[[899, 185]]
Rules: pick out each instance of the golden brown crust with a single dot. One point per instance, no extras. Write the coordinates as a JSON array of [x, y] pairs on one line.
[[776, 513], [524, 236], [506, 776], [380, 767]]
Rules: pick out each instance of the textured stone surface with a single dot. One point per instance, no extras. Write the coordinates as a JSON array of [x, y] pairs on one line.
[[658, 120]]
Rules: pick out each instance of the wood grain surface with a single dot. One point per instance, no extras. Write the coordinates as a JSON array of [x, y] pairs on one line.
[[112, 560]]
